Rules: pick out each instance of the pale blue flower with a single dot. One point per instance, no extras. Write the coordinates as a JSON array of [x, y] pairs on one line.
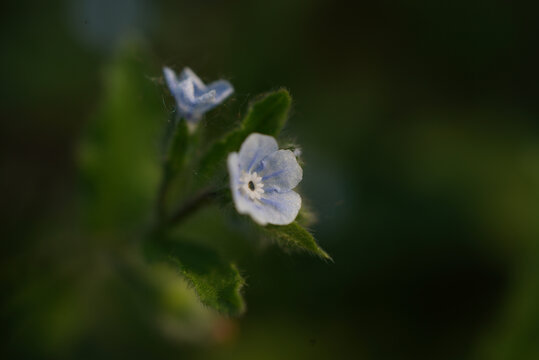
[[262, 178], [193, 98]]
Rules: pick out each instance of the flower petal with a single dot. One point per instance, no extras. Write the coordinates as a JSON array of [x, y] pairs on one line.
[[213, 95], [186, 92], [183, 92], [280, 171], [193, 98], [234, 172], [187, 73], [222, 88], [170, 78], [276, 205], [275, 208], [255, 148]]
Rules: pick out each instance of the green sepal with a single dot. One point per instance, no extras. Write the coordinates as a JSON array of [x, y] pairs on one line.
[[294, 237]]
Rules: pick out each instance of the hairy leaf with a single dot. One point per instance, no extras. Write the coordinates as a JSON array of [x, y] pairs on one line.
[[217, 283], [294, 236], [266, 116]]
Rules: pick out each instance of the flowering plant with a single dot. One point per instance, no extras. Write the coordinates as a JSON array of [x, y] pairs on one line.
[[241, 173]]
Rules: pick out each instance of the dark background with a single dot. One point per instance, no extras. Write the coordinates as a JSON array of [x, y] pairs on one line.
[[419, 127]]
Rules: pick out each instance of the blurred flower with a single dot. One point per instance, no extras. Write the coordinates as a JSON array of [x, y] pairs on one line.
[[262, 178], [193, 98]]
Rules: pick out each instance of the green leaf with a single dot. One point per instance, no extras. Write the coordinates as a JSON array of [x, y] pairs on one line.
[[118, 157], [267, 116], [216, 155], [217, 283], [293, 236]]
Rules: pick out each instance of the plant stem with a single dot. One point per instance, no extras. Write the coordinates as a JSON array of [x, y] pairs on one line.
[[194, 204], [167, 141], [161, 195]]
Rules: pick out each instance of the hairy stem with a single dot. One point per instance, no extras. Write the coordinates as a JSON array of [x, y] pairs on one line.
[[166, 175], [161, 195], [194, 204]]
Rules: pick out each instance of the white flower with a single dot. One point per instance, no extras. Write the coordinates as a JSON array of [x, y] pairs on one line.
[[262, 178], [193, 98]]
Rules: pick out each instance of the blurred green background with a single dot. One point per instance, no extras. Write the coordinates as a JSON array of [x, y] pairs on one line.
[[419, 127]]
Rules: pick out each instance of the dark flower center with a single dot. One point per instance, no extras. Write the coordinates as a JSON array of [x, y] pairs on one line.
[[251, 186]]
